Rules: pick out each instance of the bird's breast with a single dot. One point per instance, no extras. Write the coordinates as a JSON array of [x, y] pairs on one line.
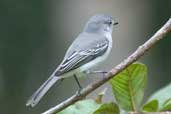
[[99, 59]]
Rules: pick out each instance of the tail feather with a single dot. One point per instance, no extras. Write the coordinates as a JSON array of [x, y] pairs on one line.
[[36, 97]]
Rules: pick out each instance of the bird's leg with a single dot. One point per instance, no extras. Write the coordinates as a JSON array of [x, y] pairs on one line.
[[80, 87], [96, 72], [103, 72]]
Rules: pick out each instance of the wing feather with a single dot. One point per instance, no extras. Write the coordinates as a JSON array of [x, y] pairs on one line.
[[81, 57]]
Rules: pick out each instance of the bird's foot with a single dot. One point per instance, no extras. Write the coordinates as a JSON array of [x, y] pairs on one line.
[[96, 72]]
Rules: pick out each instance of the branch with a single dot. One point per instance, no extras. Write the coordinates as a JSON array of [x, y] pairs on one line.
[[113, 72]]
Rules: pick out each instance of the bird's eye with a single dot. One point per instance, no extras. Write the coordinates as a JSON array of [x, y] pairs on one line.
[[110, 22]]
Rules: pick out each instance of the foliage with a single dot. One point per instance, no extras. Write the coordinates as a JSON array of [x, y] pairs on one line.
[[151, 106], [128, 89], [129, 85], [107, 108], [82, 107], [164, 98]]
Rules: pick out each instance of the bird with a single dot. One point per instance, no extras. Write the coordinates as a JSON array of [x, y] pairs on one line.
[[90, 48]]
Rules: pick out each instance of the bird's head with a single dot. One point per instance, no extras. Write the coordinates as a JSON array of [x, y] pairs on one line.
[[100, 23]]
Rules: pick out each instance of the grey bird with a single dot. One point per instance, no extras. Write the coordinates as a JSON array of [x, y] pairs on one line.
[[91, 47]]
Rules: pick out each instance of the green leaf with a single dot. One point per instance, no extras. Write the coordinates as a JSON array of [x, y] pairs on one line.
[[166, 105], [151, 106], [163, 95], [129, 85], [108, 108], [100, 96], [81, 107]]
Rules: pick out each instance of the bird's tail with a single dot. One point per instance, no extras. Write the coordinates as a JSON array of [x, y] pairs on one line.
[[36, 97]]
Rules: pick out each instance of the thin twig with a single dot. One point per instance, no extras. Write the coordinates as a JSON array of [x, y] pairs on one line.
[[132, 58]]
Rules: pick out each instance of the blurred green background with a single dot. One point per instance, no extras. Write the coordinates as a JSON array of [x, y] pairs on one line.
[[34, 35]]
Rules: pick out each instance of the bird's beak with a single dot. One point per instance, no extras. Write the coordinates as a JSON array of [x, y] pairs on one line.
[[115, 23]]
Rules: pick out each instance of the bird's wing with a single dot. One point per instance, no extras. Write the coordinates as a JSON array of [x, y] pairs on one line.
[[83, 55]]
